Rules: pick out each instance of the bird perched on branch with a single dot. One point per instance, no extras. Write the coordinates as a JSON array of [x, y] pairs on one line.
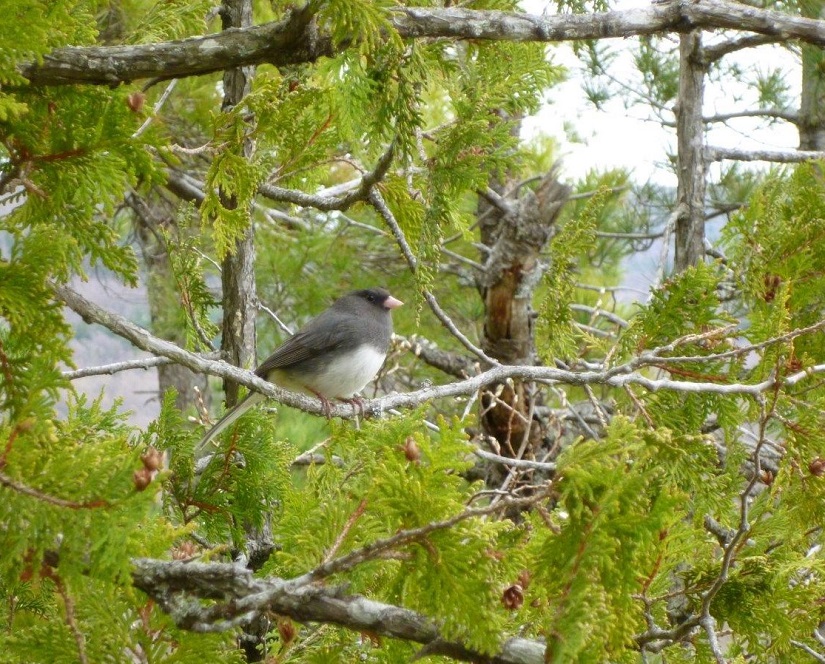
[[333, 357]]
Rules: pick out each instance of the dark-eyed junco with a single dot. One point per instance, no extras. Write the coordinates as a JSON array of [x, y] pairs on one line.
[[333, 357]]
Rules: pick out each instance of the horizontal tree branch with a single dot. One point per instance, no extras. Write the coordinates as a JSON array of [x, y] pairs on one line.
[[769, 113], [180, 587], [116, 367], [26, 490], [295, 39], [610, 235], [618, 376], [714, 52], [666, 16], [776, 156], [188, 188], [524, 464], [772, 113], [449, 362]]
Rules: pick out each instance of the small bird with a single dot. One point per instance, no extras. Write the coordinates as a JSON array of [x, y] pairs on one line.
[[333, 357]]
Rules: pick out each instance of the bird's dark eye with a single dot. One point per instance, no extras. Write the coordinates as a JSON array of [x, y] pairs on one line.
[[371, 297]]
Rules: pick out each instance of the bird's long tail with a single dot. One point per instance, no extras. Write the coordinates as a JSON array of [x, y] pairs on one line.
[[204, 447]]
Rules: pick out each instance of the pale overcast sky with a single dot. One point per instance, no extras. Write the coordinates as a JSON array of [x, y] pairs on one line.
[[622, 137]]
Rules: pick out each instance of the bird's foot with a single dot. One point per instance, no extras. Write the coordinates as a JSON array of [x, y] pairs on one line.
[[357, 404], [327, 406]]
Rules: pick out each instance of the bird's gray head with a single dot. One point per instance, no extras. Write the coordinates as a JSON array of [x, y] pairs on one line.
[[371, 297]]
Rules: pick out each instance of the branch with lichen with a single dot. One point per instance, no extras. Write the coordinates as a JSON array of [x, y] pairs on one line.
[[617, 376]]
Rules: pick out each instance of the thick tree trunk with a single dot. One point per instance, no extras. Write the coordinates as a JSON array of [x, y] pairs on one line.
[[812, 105], [690, 133], [164, 303], [239, 297], [238, 269], [239, 308], [515, 232]]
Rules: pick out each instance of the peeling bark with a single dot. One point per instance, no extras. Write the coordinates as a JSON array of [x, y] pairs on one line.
[[515, 233]]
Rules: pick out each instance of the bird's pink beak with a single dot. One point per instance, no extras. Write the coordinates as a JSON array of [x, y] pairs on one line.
[[392, 303]]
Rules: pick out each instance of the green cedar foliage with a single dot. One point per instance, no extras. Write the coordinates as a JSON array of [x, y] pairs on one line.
[[626, 527], [183, 247], [664, 474], [452, 574], [165, 20], [32, 30], [614, 505], [555, 335]]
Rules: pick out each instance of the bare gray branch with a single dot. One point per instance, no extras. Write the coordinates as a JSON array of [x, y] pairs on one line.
[[618, 376], [179, 588], [296, 40]]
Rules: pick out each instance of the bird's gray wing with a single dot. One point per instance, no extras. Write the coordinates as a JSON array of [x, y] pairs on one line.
[[328, 332]]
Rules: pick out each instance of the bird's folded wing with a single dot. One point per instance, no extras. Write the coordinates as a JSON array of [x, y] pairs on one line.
[[309, 344]]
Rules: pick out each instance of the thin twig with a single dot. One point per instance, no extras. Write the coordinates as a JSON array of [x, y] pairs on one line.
[[362, 507], [513, 472], [116, 367], [328, 203], [201, 149], [156, 109], [284, 327], [640, 406], [71, 619], [598, 311], [14, 485], [656, 352], [597, 406], [565, 402], [403, 537], [526, 464], [380, 205], [705, 618], [316, 459], [813, 653], [10, 443]]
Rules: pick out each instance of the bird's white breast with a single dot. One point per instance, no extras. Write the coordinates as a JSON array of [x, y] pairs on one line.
[[344, 376]]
